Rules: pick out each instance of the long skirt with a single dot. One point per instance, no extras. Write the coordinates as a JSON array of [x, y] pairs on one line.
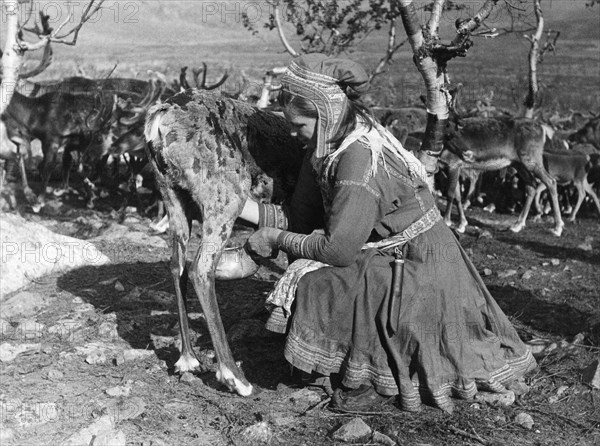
[[451, 337]]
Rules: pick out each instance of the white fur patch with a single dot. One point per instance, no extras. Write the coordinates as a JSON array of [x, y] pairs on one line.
[[186, 363], [226, 376]]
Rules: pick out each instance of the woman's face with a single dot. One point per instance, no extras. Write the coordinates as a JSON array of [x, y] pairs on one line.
[[302, 127]]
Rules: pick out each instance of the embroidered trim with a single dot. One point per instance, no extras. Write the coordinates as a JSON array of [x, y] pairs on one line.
[[359, 184], [272, 216], [420, 226]]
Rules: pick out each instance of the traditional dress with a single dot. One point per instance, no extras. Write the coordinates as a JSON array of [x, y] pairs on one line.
[[442, 335]]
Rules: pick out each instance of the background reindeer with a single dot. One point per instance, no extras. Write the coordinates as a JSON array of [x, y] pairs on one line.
[[487, 144]]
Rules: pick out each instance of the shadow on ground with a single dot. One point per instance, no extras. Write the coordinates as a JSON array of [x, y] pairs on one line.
[[145, 307]]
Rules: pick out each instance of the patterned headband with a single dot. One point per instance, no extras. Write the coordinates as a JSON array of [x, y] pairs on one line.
[[327, 96]]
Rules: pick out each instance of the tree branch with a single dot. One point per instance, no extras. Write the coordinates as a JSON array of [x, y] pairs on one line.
[[284, 40]]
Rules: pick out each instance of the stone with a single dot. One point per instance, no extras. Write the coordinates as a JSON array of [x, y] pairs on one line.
[[501, 399], [353, 431], [30, 251], [304, 397], [9, 352], [119, 390], [527, 275], [591, 374], [101, 432], [380, 438], [119, 286], [96, 357], [111, 438], [525, 420], [487, 272], [162, 341], [519, 387], [586, 245], [190, 379], [134, 354], [23, 304], [555, 262], [120, 409], [507, 273], [259, 433], [281, 420]]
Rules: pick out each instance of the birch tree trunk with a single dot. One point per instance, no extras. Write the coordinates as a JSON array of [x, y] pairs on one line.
[[534, 53], [12, 59], [431, 58]]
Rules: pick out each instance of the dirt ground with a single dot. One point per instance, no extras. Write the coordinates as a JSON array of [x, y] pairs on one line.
[[108, 343]]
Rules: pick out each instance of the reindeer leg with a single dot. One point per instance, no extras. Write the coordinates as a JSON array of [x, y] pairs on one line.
[[472, 185], [216, 229], [29, 195], [590, 190], [461, 212], [520, 224], [550, 183], [453, 192], [538, 206], [67, 164], [180, 228]]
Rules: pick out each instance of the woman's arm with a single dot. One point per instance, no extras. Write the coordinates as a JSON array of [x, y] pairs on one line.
[[354, 213], [302, 214]]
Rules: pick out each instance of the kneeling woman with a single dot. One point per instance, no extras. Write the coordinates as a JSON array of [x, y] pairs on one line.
[[381, 294]]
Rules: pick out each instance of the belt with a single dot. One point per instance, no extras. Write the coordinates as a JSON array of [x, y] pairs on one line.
[[423, 224], [397, 242]]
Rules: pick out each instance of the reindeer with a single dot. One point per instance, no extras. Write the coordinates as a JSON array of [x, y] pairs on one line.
[[569, 168], [209, 154], [589, 133], [486, 144], [63, 121]]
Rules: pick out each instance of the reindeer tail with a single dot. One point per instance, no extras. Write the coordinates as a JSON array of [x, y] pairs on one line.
[[153, 123]]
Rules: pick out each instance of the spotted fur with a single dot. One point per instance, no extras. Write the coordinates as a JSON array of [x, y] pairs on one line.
[[209, 154]]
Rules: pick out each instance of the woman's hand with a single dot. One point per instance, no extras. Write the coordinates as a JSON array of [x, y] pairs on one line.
[[263, 243]]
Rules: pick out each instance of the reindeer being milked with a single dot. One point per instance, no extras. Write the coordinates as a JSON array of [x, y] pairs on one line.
[[368, 297]]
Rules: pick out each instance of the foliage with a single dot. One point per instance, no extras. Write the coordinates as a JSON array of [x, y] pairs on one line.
[[331, 27], [336, 26]]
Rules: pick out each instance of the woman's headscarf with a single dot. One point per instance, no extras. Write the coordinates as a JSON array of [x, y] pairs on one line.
[[328, 83]]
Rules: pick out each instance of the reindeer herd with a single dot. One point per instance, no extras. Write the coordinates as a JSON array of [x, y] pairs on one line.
[[102, 120], [209, 152]]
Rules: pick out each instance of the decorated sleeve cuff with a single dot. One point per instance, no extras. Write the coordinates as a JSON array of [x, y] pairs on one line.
[[272, 216], [294, 244]]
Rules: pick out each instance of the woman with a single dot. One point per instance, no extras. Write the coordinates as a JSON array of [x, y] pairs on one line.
[[362, 222]]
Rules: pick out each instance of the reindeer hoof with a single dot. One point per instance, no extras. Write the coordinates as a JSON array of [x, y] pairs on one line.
[[518, 227], [448, 223], [557, 231], [235, 384], [490, 208], [37, 207], [186, 363], [461, 228], [466, 205]]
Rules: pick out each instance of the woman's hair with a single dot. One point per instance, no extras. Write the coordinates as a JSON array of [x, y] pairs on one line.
[[348, 119]]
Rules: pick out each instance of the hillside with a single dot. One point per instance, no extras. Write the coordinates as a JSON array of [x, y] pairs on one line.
[[164, 36]]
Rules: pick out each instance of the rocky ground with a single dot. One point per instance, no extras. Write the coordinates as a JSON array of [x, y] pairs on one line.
[[87, 357]]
